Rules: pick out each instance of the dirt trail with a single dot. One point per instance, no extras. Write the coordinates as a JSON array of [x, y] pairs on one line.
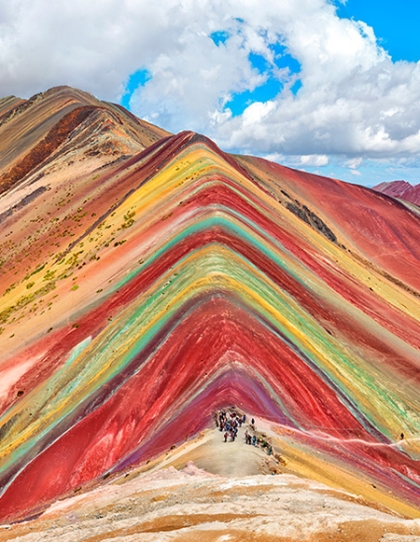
[[230, 458]]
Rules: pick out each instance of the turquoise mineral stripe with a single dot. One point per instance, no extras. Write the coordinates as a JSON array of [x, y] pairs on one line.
[[228, 225]]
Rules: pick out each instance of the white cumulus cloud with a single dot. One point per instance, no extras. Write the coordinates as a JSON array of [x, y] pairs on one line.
[[354, 102], [314, 160]]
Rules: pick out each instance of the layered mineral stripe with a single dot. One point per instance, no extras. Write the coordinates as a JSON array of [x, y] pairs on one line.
[[189, 285]]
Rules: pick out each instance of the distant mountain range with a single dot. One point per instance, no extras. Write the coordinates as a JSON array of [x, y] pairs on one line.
[[148, 280], [401, 190]]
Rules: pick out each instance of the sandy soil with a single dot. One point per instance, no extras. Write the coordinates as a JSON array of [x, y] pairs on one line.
[[231, 458]]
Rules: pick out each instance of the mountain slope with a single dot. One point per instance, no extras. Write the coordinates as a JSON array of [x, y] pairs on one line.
[[144, 291]]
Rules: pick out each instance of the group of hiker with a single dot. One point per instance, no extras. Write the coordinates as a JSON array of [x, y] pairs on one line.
[[229, 421]]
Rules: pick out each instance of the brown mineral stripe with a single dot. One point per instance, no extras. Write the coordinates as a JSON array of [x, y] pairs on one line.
[[56, 136]]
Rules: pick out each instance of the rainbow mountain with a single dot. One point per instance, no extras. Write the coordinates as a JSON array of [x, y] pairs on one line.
[[149, 279]]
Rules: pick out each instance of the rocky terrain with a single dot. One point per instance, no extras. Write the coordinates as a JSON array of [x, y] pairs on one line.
[[149, 280]]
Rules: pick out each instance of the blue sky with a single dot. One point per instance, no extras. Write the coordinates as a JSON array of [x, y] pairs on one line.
[[328, 86], [394, 28], [396, 24]]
